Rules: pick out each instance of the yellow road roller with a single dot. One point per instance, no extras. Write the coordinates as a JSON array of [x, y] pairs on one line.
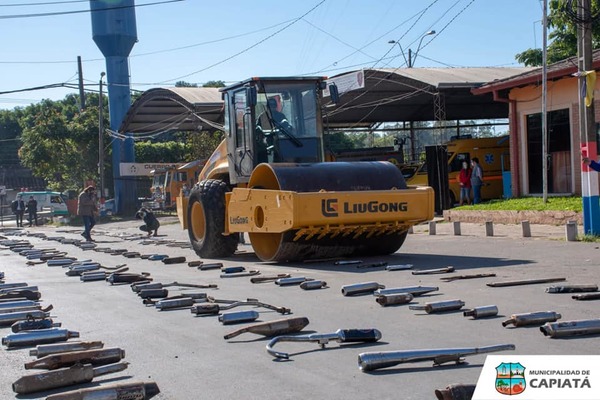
[[268, 179]]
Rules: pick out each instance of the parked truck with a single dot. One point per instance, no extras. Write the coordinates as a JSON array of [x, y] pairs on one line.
[[168, 182], [268, 179], [493, 154]]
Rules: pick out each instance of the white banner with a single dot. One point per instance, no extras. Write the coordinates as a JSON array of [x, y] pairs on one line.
[[347, 82], [539, 377], [142, 169]]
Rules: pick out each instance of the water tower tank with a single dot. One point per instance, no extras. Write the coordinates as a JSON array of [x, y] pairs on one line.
[[114, 31]]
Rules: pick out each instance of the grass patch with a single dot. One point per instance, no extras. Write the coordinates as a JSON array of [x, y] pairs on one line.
[[572, 203], [589, 238]]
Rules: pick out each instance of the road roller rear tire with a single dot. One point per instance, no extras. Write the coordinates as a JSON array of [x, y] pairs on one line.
[[206, 220]]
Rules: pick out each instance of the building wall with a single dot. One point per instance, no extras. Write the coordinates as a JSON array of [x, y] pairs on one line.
[[561, 94]]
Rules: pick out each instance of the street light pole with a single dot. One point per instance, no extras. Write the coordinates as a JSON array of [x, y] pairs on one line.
[[429, 33], [101, 138], [411, 60]]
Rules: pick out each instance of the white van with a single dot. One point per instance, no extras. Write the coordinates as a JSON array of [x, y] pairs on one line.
[[52, 201]]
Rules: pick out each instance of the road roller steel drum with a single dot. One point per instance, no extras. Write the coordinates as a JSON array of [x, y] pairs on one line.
[[302, 211]]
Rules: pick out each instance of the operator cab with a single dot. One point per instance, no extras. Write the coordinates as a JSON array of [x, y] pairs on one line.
[[272, 120]]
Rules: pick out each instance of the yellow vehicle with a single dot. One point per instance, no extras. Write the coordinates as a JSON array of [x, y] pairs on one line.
[[268, 179], [167, 183], [493, 154]]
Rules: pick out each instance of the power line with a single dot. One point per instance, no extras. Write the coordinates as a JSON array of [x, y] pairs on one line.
[[157, 51], [247, 48], [52, 14], [47, 3]]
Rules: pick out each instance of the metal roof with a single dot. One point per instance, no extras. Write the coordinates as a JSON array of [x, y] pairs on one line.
[[389, 95], [409, 94], [557, 70], [179, 108]]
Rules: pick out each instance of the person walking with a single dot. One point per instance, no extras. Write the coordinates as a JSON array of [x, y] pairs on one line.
[[464, 180], [476, 180], [87, 208], [32, 211], [18, 208]]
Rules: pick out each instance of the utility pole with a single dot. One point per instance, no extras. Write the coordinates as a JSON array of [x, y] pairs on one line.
[[544, 102], [81, 93], [587, 134], [101, 139]]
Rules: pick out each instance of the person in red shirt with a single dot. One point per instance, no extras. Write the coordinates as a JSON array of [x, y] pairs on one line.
[[464, 180]]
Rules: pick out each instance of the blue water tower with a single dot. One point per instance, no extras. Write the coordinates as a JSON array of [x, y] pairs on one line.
[[114, 31]]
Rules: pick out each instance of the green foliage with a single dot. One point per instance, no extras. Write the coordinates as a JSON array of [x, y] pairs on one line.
[[163, 152], [185, 84], [572, 203], [204, 143], [562, 36], [214, 84], [60, 143], [10, 133]]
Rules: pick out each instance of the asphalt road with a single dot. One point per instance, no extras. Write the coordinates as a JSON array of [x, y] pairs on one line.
[[189, 359]]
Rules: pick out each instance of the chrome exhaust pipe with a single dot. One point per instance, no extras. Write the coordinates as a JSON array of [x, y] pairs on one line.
[[534, 318], [571, 328], [377, 360], [41, 336], [361, 288]]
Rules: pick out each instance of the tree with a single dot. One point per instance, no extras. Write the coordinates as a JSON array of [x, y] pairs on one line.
[[563, 34], [60, 143], [185, 84], [214, 84], [10, 136]]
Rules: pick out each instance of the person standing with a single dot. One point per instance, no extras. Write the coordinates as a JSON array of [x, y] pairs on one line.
[[32, 211], [591, 163], [87, 208], [476, 180], [18, 208], [464, 180]]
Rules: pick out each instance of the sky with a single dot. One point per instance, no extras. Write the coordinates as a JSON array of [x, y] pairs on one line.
[[199, 41]]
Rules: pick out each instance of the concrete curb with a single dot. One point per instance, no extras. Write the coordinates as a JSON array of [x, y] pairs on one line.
[[513, 217]]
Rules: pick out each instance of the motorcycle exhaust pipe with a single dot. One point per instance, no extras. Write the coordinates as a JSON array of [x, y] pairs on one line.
[[41, 336], [63, 377], [10, 318], [571, 328], [361, 288], [32, 325], [93, 357], [534, 318], [153, 293], [21, 295], [18, 289], [414, 290], [481, 312], [377, 360], [79, 269], [238, 317], [12, 285], [393, 299], [136, 390], [439, 306], [170, 304], [19, 303], [292, 281], [572, 288], [456, 392], [47, 349], [272, 328], [313, 285]]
